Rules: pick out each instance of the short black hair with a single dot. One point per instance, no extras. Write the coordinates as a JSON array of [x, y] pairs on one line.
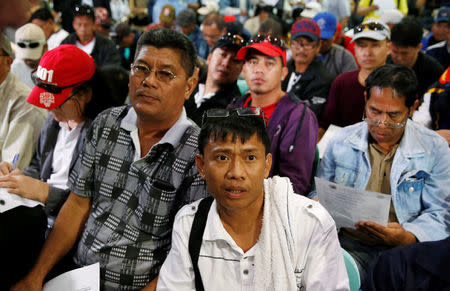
[[407, 33], [169, 38], [84, 10], [243, 127], [271, 26], [401, 79], [43, 14]]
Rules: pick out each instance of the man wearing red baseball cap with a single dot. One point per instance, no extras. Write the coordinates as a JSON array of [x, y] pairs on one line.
[[292, 126]]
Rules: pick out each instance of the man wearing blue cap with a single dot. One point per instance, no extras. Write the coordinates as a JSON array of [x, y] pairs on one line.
[[439, 29], [335, 57]]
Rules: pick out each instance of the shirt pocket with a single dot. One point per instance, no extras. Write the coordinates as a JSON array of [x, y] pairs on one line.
[[345, 175], [157, 199], [410, 190]]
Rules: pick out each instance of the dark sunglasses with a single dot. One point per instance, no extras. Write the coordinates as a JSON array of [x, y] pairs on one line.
[[32, 45], [51, 88], [233, 38], [242, 112], [276, 41], [369, 26]]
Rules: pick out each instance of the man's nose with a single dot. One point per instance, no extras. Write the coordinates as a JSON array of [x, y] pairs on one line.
[[236, 169]]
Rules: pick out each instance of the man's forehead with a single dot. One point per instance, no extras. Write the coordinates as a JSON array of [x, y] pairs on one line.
[[365, 40], [228, 49], [387, 94], [149, 53]]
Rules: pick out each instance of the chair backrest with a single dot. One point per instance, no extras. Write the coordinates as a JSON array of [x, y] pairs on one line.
[[352, 271], [243, 87]]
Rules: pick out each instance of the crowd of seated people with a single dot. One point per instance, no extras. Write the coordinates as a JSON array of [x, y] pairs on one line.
[[164, 139]]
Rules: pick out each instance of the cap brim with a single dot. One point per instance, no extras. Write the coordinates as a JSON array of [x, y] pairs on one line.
[[369, 34], [41, 98], [326, 34], [262, 48], [305, 33]]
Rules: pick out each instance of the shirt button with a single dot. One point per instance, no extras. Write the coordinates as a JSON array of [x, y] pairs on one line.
[[411, 189], [245, 258], [309, 206], [2, 202], [245, 272], [193, 208]]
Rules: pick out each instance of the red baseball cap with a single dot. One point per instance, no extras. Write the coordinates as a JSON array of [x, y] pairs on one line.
[[60, 70], [266, 47]]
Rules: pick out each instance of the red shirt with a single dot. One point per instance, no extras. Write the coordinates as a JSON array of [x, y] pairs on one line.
[[268, 110]]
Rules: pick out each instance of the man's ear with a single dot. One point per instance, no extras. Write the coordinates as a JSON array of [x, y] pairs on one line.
[[200, 165], [268, 165], [191, 83], [413, 107], [284, 72]]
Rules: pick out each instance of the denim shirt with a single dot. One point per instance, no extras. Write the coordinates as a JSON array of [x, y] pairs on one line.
[[420, 175]]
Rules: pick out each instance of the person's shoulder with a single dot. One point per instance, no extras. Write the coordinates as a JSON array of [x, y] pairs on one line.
[[437, 46], [430, 64], [427, 135], [103, 40], [310, 211], [111, 116], [187, 213], [347, 77], [346, 132]]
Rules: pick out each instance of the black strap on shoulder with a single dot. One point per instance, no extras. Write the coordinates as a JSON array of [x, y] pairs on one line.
[[195, 238]]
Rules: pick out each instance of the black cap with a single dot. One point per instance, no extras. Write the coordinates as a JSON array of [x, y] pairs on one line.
[[232, 40]]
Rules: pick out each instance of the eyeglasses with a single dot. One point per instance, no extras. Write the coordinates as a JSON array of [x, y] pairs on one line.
[[233, 38], [387, 124], [143, 71], [243, 112], [30, 45], [306, 46], [369, 26], [55, 89], [268, 38]]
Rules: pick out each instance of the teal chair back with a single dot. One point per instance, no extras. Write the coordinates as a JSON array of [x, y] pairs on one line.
[[243, 87], [352, 271]]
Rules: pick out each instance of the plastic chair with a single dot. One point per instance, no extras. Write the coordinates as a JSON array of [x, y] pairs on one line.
[[243, 87], [352, 271]]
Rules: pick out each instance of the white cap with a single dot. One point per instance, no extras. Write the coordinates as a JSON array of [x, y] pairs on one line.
[[375, 33], [393, 16], [311, 9], [210, 6], [30, 41]]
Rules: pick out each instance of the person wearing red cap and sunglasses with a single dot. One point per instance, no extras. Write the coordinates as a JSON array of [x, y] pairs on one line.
[[292, 126]]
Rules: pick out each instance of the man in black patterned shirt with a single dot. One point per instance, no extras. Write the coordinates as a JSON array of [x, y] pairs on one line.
[[136, 170]]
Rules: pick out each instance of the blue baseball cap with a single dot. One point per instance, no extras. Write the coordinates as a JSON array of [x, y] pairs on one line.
[[443, 14], [327, 23]]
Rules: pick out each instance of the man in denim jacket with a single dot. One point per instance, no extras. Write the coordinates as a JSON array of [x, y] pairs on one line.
[[390, 154]]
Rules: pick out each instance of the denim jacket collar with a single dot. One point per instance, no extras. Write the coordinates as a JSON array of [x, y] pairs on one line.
[[410, 146]]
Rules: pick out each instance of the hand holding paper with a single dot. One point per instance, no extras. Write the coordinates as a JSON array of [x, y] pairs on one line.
[[348, 206], [393, 234]]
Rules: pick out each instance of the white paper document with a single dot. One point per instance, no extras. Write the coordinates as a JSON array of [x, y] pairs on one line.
[[323, 143], [9, 201], [82, 279], [348, 205]]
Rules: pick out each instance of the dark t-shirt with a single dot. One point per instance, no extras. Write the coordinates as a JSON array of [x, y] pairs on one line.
[[345, 104], [427, 70], [440, 52]]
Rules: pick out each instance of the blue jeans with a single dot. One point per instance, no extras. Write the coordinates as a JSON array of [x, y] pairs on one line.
[[363, 254]]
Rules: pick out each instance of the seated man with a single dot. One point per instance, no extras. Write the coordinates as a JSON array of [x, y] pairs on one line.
[[30, 46], [387, 153], [102, 49], [292, 126], [255, 234], [20, 122], [334, 57], [53, 32], [308, 78], [345, 103], [187, 22], [220, 86], [135, 171], [405, 50]]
